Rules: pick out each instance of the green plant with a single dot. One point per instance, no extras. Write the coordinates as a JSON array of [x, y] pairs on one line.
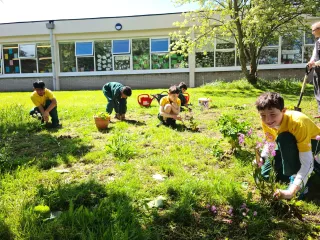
[[121, 146], [102, 115], [231, 127]]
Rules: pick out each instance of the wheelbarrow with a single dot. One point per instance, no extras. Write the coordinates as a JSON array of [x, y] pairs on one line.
[[187, 97], [160, 95]]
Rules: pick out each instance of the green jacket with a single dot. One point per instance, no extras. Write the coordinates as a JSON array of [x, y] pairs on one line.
[[113, 90], [182, 99]]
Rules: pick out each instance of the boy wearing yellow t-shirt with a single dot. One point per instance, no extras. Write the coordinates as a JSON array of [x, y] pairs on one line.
[[294, 135], [45, 104], [170, 107]]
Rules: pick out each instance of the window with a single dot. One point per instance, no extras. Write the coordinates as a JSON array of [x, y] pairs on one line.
[[308, 47], [103, 55], [225, 52], [121, 51], [10, 59], [84, 48], [67, 57], [141, 54], [269, 54], [159, 53], [160, 45], [122, 62], [27, 51], [178, 60], [0, 60], [28, 66], [204, 59], [121, 46], [44, 57], [291, 49]]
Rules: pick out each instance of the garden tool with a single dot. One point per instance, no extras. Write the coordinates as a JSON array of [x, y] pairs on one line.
[[297, 108]]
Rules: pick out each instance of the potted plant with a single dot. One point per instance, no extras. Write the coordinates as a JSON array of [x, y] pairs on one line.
[[102, 120]]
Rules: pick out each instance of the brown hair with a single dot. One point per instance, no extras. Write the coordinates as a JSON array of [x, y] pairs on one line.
[[270, 100], [174, 89]]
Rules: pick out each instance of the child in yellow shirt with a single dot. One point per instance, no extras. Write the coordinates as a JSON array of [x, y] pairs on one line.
[[170, 107], [294, 135], [45, 104]]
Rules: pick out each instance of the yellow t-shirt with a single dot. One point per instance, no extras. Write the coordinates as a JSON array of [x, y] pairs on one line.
[[41, 100], [165, 100], [299, 125]]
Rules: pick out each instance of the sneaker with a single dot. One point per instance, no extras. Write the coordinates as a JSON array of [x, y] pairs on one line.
[[160, 124], [117, 116], [56, 126]]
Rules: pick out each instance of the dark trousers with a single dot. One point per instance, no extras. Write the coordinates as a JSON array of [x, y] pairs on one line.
[[53, 113], [316, 85], [118, 106], [168, 122], [287, 161]]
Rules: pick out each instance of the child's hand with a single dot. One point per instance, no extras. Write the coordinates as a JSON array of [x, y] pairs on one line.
[[284, 194], [178, 118]]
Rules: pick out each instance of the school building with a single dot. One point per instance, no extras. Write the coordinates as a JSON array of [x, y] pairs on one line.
[[84, 54]]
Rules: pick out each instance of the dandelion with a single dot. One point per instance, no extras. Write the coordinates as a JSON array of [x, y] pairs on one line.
[[255, 213]]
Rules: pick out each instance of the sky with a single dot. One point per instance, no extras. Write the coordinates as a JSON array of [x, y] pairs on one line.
[[36, 10]]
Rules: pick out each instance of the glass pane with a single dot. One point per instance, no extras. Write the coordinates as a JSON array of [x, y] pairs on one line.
[[204, 60], [309, 38], [45, 65], [10, 59], [160, 45], [291, 50], [84, 48], [268, 56], [225, 43], [224, 59], [28, 66], [121, 62], [85, 64], [307, 53], [43, 51], [141, 54], [103, 55], [27, 50], [67, 57], [160, 61], [121, 46], [179, 61]]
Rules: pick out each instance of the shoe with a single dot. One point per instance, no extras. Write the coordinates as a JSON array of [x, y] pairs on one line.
[[160, 124], [117, 116], [122, 117], [318, 116], [56, 126]]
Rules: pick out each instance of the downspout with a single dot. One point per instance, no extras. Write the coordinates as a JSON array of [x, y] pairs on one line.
[[50, 26]]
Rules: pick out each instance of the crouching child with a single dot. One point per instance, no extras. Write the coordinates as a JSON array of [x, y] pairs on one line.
[[170, 107], [45, 104], [294, 135]]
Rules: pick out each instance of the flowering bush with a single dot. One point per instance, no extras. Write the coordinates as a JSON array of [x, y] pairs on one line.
[[102, 115], [231, 127]]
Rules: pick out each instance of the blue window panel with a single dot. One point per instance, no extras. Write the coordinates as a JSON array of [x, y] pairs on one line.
[[160, 45], [84, 48], [121, 46]]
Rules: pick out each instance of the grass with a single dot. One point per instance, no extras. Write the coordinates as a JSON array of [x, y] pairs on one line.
[[107, 180]]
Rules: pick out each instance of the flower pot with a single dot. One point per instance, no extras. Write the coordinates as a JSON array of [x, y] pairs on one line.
[[101, 123]]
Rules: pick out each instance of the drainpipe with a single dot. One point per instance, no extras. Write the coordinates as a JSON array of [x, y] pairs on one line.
[[50, 26]]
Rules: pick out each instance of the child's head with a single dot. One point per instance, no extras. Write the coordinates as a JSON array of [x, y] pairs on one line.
[[173, 93], [183, 87], [39, 87], [270, 106], [126, 92]]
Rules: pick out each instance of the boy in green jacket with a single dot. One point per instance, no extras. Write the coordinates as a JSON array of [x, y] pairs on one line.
[[117, 94]]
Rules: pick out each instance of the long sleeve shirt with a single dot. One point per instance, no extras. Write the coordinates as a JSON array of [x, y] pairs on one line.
[[315, 53]]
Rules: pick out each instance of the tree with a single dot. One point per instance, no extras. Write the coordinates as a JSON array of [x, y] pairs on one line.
[[252, 24]]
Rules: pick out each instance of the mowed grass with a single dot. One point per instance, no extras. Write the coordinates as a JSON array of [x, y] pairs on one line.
[[97, 184]]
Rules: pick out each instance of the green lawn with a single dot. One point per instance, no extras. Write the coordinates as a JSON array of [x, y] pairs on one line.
[[101, 185]]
